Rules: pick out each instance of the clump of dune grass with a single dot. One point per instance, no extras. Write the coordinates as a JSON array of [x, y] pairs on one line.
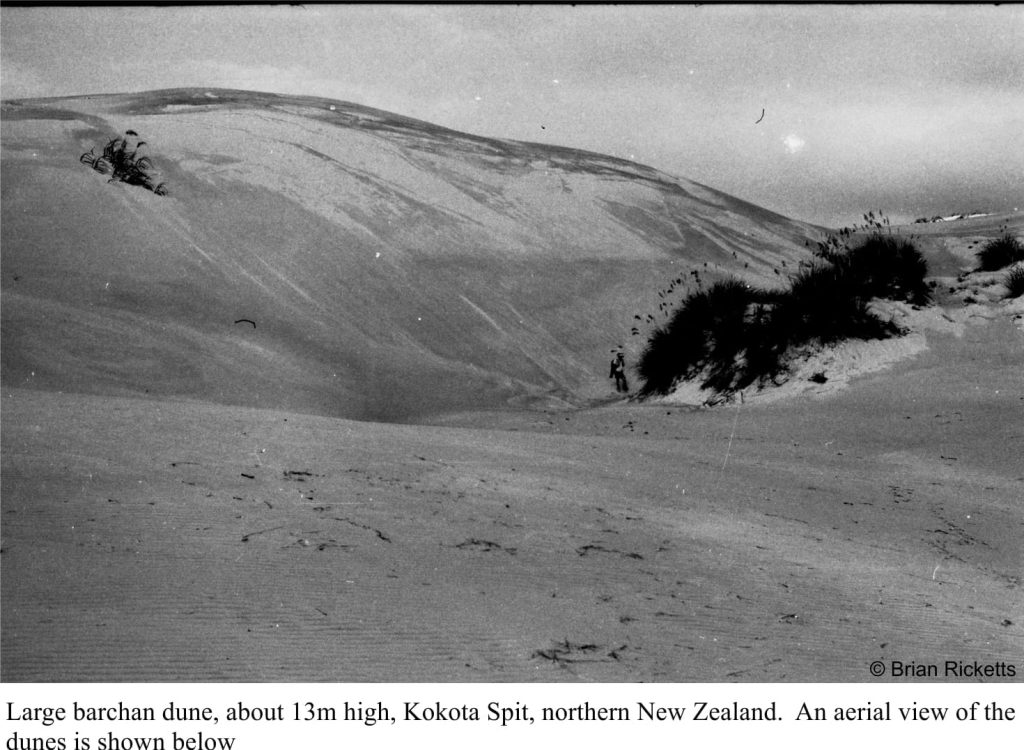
[[733, 335], [123, 161], [829, 303], [707, 328], [1014, 282], [887, 267], [999, 253]]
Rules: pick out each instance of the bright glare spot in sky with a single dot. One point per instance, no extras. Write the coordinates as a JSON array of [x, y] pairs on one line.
[[555, 81], [794, 143]]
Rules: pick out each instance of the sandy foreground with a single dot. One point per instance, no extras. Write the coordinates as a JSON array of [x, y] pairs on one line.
[[164, 540]]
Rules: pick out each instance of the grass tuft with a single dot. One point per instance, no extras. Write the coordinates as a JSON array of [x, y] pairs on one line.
[[1014, 282], [123, 162], [1000, 253], [733, 335]]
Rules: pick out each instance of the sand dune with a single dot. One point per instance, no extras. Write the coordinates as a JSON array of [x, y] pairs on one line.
[[411, 464], [364, 245]]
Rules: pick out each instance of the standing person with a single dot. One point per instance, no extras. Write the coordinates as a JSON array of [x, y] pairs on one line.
[[618, 371]]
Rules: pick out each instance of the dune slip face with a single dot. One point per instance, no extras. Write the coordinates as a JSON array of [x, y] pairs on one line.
[[391, 267], [336, 407]]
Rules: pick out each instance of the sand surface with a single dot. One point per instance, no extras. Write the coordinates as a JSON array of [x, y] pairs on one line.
[[166, 540]]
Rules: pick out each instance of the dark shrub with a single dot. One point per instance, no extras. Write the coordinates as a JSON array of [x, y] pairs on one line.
[[661, 363], [1000, 253], [123, 161], [820, 298], [736, 336], [888, 267], [726, 331], [1014, 282], [707, 330], [767, 339], [829, 303]]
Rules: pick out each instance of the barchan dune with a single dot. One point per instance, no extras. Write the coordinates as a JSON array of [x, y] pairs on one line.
[[392, 268], [336, 407]]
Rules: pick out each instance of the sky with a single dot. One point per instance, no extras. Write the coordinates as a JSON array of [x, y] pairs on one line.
[[818, 112]]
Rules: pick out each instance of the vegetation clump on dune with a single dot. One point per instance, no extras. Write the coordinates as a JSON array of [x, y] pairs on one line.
[[733, 335], [999, 253], [123, 159], [1014, 282]]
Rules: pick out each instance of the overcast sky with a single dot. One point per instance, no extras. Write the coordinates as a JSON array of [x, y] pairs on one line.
[[915, 110]]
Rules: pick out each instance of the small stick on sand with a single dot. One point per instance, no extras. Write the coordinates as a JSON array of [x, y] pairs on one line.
[[261, 531]]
